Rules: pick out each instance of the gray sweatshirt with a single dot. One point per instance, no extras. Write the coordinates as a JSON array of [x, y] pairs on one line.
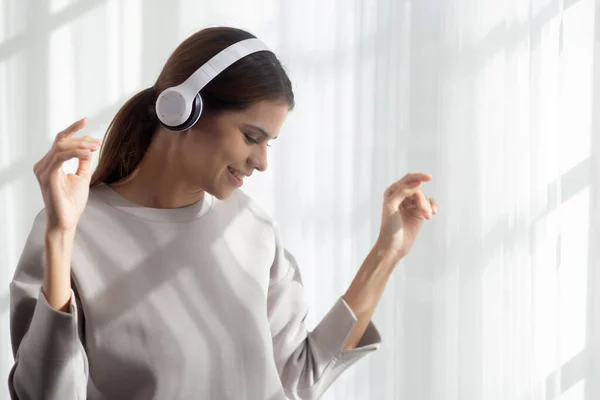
[[199, 302]]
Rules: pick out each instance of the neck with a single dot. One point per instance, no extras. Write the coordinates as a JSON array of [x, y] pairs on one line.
[[157, 181]]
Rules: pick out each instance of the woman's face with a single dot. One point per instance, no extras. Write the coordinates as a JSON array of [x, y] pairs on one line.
[[220, 151]]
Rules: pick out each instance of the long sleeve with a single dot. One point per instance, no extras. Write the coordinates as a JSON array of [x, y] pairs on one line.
[[50, 361], [309, 362]]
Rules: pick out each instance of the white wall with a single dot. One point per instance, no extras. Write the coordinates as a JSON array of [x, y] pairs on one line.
[[497, 99]]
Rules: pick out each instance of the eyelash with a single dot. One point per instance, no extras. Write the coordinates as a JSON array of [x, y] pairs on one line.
[[250, 139]]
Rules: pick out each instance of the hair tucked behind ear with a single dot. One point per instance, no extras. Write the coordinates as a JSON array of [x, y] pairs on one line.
[[127, 138], [256, 77]]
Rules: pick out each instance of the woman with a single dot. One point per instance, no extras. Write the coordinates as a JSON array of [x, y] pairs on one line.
[[155, 278]]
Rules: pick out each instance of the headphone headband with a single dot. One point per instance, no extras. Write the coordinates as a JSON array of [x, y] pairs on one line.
[[222, 61], [179, 107]]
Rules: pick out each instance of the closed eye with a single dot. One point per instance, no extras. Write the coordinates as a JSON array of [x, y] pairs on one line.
[[252, 140]]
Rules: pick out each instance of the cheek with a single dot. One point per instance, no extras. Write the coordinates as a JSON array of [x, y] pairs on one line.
[[231, 149], [205, 159], [209, 153]]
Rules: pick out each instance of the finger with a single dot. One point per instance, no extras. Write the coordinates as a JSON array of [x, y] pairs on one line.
[[424, 205], [403, 189], [63, 150], [397, 193], [60, 158], [409, 179], [422, 177], [74, 127], [410, 204], [416, 177], [85, 167], [74, 143], [434, 206]]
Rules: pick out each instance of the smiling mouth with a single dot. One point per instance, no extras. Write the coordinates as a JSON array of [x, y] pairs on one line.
[[236, 173]]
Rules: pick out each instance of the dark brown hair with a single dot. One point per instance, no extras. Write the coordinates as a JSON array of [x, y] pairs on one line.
[[259, 76]]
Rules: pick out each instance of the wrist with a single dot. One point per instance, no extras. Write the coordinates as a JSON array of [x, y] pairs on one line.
[[60, 235], [57, 272], [385, 249], [59, 244]]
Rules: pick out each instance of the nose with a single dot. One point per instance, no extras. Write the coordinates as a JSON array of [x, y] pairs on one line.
[[258, 158]]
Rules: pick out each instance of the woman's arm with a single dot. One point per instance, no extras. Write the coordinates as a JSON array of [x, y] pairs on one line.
[[404, 209], [50, 361], [366, 290], [57, 274]]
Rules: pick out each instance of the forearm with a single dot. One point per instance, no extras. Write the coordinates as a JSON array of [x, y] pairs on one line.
[[366, 289], [49, 359], [50, 362], [57, 271]]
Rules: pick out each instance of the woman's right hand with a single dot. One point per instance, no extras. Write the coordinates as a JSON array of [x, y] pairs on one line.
[[65, 195]]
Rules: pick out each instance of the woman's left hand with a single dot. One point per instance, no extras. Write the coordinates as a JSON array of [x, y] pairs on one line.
[[405, 207]]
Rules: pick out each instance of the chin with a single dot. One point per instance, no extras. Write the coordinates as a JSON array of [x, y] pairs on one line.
[[221, 188], [222, 196], [221, 193]]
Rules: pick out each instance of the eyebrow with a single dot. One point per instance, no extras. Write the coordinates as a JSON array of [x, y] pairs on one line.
[[262, 131]]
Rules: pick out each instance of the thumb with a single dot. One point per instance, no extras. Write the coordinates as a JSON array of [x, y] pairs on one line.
[[396, 194], [84, 169]]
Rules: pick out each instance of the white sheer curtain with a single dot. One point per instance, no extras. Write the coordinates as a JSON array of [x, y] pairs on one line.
[[497, 99]]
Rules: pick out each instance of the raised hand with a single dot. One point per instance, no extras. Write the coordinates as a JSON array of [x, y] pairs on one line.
[[65, 195], [405, 207]]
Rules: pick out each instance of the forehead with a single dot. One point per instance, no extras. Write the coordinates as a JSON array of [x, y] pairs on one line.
[[268, 114]]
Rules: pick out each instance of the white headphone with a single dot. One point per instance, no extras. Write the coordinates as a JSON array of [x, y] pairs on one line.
[[179, 107]]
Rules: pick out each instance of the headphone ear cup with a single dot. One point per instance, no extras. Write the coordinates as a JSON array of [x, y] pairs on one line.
[[195, 113], [197, 107]]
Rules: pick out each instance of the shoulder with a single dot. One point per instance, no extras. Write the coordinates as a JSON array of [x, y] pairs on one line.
[[242, 202], [244, 216], [38, 229], [98, 205]]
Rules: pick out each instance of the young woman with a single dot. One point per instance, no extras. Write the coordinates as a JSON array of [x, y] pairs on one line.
[[156, 278]]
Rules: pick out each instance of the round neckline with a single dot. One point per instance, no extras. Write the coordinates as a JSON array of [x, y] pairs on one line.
[[181, 214]]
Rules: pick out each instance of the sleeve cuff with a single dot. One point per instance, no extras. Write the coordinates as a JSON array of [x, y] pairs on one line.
[[334, 329], [371, 339], [53, 332]]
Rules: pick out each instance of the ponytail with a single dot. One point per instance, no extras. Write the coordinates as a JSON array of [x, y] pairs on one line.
[[127, 138]]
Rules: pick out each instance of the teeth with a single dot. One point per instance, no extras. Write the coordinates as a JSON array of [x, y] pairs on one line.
[[236, 173]]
